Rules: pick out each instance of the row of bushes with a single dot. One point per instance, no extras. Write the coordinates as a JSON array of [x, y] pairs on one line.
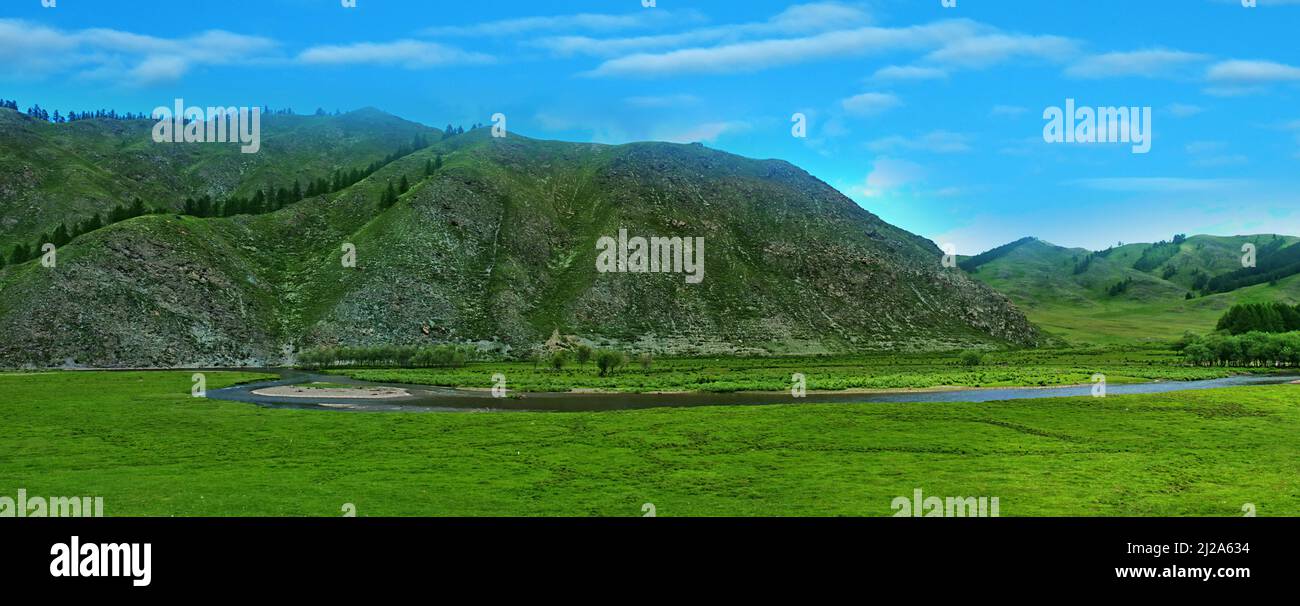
[[1251, 349], [607, 361], [389, 355]]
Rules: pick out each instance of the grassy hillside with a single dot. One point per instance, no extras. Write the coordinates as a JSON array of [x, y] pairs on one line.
[[1069, 292], [149, 449], [498, 248], [64, 173]]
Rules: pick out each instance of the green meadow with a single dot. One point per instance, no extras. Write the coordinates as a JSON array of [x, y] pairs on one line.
[[149, 449]]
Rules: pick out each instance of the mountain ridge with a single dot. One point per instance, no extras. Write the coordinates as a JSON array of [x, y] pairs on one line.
[[497, 248]]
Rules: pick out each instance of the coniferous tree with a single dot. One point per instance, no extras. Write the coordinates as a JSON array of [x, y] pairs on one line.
[[404, 186], [19, 254], [389, 198], [92, 224], [60, 236]]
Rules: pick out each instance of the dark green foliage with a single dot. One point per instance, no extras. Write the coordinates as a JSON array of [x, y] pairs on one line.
[[1159, 253], [559, 360], [60, 236], [1272, 262], [970, 358], [609, 361], [1250, 349], [21, 254], [1082, 266], [1263, 317], [1199, 280], [390, 196], [1120, 287]]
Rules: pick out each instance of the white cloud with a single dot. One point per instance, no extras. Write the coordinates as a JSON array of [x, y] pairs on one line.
[[32, 50], [1183, 110], [797, 20], [1150, 63], [581, 21], [411, 54], [985, 50], [909, 72], [870, 104], [1233, 91], [606, 127], [939, 141], [763, 54], [818, 16], [159, 69], [1252, 72], [889, 174], [706, 132]]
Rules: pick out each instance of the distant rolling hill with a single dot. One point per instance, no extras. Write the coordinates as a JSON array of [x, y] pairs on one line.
[[1134, 292], [495, 248]]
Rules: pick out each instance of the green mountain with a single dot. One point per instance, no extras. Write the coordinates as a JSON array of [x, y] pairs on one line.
[[1134, 291], [497, 247], [64, 173]]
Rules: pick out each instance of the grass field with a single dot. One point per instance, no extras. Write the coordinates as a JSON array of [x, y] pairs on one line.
[[142, 443], [885, 371]]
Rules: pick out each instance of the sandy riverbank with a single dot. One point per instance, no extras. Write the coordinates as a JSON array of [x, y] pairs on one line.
[[358, 393]]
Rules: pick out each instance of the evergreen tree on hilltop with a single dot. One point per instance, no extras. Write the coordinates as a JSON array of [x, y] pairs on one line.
[[60, 236]]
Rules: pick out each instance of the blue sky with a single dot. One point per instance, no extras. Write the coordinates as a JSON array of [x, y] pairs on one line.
[[930, 117]]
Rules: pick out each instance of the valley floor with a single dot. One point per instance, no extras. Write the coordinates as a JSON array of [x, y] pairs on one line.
[[139, 440], [1037, 367]]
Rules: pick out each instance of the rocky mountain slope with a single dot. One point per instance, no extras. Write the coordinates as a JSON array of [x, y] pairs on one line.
[[496, 247]]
